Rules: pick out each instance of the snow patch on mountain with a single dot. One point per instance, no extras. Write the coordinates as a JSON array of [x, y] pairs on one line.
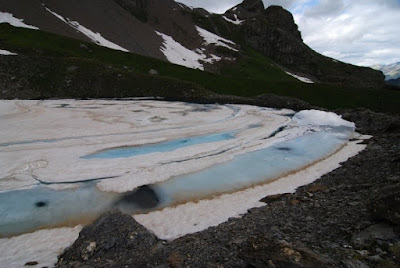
[[210, 38], [9, 18], [302, 79], [95, 37], [237, 21], [178, 54], [6, 52]]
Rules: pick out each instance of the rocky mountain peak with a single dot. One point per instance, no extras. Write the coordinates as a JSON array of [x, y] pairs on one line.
[[283, 19], [254, 6], [133, 3], [247, 9]]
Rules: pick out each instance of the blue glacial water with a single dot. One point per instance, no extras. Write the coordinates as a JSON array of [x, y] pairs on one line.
[[249, 169], [26, 210], [168, 146]]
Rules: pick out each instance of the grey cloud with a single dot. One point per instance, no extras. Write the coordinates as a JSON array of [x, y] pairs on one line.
[[326, 8]]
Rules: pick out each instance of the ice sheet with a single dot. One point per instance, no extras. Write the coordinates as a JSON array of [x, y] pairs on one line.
[[36, 135]]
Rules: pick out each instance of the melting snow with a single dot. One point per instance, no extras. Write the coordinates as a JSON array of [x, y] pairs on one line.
[[95, 37], [9, 18], [320, 118], [302, 79], [6, 52], [236, 21], [178, 54], [41, 246], [210, 38]]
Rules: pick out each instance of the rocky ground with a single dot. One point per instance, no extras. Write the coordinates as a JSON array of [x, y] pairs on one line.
[[348, 218]]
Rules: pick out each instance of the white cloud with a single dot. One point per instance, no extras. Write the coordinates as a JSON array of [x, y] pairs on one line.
[[362, 32]]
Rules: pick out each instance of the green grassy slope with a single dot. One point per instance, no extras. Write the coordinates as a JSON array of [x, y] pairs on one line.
[[55, 66]]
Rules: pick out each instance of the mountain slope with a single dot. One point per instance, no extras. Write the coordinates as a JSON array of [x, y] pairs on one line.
[[274, 33], [42, 65], [169, 31]]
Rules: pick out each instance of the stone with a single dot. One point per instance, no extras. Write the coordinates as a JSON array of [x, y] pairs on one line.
[[272, 198], [317, 188], [88, 250], [153, 72], [72, 68]]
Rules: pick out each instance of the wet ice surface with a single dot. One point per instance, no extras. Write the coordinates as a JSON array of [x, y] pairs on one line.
[[250, 169], [56, 156], [125, 152]]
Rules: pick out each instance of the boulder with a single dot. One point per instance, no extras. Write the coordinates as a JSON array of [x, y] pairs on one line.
[[112, 236]]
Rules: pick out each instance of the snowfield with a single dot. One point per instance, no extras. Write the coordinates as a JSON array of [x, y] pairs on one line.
[[302, 79], [178, 54], [43, 145], [95, 37], [210, 38], [6, 52], [9, 18], [237, 21]]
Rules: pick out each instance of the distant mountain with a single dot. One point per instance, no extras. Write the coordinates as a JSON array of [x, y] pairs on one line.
[[394, 82], [391, 71], [170, 31]]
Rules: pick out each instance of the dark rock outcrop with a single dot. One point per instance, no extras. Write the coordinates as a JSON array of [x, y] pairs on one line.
[[275, 34], [246, 9]]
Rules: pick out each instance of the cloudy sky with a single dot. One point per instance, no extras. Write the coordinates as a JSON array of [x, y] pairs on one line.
[[362, 32]]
